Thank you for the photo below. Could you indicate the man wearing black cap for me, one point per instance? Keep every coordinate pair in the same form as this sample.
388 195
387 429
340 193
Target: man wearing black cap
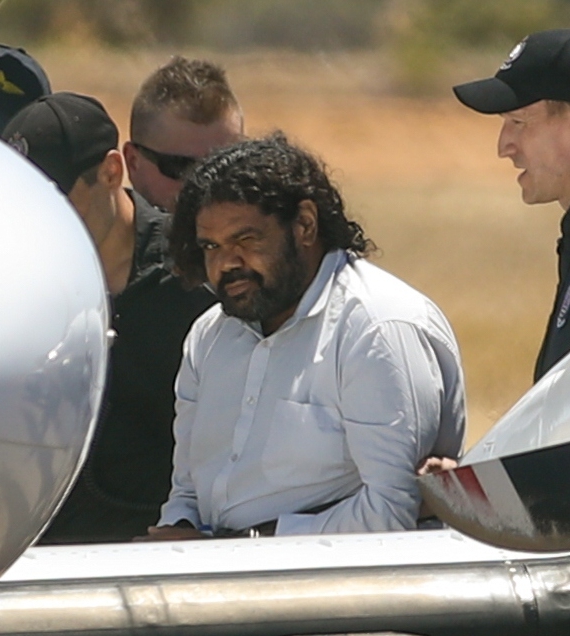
22 80
531 91
127 474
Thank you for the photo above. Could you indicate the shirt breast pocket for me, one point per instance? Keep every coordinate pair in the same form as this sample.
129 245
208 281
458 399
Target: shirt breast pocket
306 445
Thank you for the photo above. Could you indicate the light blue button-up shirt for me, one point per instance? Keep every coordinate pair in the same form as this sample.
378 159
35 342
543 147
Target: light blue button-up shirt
340 403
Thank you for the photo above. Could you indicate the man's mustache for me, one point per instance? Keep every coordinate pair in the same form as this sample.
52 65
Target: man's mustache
239 274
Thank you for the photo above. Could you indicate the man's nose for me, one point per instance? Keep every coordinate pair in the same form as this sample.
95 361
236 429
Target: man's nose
231 257
506 146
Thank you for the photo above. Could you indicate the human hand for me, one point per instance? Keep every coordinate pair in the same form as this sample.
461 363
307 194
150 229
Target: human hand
433 465
171 533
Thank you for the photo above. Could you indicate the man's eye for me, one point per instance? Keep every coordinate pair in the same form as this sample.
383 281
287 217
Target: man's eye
208 247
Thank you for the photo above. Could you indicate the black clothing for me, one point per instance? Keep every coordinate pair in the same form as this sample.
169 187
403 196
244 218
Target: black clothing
127 474
556 341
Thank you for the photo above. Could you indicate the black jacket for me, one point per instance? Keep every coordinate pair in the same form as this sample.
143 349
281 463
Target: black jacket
556 341
127 474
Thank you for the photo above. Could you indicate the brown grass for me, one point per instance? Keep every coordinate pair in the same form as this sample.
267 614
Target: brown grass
422 176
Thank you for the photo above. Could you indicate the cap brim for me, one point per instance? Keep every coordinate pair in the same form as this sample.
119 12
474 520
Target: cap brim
490 96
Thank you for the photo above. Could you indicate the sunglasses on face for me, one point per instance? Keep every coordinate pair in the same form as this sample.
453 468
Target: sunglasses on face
171 166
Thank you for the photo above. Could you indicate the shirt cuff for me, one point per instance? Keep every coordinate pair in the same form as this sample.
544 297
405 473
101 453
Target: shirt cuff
171 514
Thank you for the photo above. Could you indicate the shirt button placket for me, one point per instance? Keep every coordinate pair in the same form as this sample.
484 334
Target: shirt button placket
256 373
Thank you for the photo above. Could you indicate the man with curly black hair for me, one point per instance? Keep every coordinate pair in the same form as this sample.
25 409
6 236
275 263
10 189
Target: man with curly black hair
308 396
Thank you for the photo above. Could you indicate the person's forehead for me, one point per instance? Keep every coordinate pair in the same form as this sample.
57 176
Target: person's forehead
228 217
170 133
532 110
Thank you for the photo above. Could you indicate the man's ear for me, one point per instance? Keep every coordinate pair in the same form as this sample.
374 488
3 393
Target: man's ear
307 223
111 170
131 157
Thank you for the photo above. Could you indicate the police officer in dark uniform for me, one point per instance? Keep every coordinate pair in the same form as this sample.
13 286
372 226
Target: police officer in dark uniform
127 473
531 91
556 341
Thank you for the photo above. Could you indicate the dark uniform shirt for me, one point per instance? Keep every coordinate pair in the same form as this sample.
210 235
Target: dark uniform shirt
556 343
127 474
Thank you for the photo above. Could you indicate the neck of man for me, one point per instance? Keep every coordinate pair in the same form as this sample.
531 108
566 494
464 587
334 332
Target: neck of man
271 325
117 248
314 257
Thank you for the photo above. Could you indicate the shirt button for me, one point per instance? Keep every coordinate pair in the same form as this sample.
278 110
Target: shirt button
251 400
234 457
266 343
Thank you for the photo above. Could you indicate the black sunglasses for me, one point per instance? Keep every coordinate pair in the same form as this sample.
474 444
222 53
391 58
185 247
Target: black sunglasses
172 166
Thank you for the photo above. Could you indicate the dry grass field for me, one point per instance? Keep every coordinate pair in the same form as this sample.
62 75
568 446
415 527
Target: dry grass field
421 176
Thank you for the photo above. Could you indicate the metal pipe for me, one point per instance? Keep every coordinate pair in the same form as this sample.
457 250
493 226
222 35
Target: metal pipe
504 598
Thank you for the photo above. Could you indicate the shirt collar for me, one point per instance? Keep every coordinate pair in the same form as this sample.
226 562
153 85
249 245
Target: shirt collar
150 237
316 297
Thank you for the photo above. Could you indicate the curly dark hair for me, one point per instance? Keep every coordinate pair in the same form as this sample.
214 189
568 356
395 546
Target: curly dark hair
269 173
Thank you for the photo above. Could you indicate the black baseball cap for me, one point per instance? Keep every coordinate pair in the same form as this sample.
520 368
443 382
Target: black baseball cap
64 134
537 68
22 80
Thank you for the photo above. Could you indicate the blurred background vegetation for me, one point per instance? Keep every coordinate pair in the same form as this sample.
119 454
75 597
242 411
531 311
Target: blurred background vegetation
418 38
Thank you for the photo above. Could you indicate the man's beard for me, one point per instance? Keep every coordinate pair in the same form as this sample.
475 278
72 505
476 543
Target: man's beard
288 275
